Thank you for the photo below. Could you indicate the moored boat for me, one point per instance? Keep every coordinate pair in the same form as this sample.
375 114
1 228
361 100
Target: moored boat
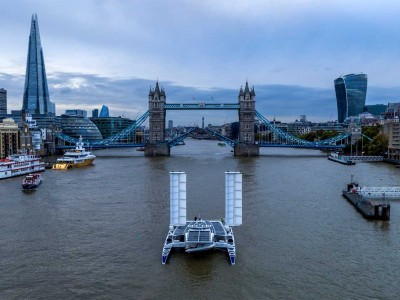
75 159
31 181
20 164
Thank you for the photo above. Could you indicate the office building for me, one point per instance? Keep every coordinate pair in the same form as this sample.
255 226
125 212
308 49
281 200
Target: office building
104 113
391 129
36 99
76 126
351 91
76 112
95 113
113 125
3 102
10 141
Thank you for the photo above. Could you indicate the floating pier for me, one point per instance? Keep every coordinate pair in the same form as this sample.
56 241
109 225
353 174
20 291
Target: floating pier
370 209
203 235
344 160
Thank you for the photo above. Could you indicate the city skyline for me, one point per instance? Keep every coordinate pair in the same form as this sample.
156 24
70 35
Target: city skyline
291 53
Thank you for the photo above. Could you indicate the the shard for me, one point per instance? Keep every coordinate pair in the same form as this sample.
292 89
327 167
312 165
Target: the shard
36 93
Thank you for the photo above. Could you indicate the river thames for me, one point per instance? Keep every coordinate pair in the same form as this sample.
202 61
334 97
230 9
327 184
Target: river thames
98 232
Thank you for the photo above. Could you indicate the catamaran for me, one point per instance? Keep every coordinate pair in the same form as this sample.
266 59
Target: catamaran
202 235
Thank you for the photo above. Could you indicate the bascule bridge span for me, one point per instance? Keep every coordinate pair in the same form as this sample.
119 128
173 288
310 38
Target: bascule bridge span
244 146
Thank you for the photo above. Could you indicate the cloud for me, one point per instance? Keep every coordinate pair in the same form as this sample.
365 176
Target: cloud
209 43
128 97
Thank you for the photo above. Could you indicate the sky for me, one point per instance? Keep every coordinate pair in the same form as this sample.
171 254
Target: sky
110 52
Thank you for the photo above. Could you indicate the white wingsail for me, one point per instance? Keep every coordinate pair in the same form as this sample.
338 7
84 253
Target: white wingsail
233 198
177 198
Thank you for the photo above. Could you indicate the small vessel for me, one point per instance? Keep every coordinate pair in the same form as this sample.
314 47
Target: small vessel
180 143
20 164
203 235
31 181
140 149
334 156
221 144
75 159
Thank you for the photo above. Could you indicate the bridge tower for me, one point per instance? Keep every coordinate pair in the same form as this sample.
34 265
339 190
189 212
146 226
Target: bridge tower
247 109
155 145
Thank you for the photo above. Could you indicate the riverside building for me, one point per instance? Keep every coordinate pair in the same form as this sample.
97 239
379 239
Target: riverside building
351 91
10 141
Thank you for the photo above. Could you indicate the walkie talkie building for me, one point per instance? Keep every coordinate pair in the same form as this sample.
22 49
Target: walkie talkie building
351 91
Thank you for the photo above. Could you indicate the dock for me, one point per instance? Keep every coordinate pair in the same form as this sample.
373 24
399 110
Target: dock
370 209
344 160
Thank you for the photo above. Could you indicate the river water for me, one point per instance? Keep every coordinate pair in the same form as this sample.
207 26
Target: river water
98 232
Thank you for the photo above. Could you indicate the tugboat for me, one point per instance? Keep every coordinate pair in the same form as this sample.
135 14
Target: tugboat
203 235
76 159
31 181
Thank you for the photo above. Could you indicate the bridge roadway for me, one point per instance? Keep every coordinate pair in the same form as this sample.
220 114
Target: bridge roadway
288 139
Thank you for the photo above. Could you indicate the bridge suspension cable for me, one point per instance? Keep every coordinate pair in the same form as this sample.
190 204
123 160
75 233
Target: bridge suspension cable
221 137
290 140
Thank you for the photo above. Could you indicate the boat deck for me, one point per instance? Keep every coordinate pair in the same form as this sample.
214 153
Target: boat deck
200 235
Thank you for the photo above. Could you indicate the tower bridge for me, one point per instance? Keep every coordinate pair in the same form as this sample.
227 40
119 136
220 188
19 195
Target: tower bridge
245 145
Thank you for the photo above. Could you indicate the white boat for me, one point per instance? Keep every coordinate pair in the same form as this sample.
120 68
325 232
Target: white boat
203 235
31 181
20 164
75 159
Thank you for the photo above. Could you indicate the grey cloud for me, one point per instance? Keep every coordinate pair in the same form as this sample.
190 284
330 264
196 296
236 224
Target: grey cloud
128 96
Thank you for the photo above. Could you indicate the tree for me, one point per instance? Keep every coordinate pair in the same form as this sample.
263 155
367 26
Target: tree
379 145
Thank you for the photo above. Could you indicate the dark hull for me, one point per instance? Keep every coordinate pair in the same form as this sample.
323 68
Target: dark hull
369 209
30 187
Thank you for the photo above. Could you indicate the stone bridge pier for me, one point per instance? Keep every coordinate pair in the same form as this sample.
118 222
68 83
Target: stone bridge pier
246 145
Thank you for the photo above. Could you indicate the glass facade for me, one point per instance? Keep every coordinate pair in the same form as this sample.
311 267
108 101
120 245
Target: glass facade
76 126
104 113
351 91
3 102
36 98
112 125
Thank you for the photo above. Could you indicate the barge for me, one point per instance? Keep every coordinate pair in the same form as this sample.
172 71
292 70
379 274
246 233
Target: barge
370 209
203 235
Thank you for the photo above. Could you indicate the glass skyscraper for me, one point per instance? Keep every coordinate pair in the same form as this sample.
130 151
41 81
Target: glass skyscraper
351 91
36 93
104 113
3 102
